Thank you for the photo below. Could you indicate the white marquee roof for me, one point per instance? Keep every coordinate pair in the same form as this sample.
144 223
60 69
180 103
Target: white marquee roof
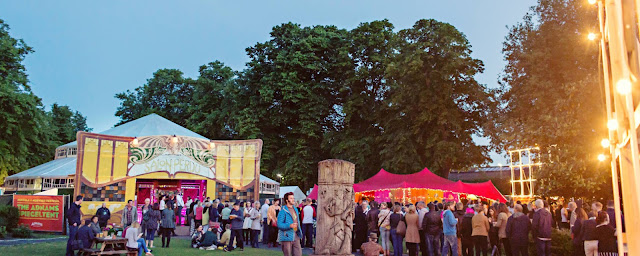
149 125
297 192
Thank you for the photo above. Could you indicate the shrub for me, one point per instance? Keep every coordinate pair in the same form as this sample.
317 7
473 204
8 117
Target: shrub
22 231
9 216
560 243
3 231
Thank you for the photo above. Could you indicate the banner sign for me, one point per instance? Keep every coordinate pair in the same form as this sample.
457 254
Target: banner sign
40 213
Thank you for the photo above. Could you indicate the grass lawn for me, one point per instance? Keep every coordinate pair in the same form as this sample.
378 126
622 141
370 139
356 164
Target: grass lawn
178 247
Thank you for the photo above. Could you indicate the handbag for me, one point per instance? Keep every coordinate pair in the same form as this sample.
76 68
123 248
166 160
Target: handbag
402 228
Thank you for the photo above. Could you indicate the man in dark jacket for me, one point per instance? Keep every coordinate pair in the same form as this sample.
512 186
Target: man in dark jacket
466 229
541 226
73 219
432 227
104 215
237 219
518 226
213 214
372 219
86 235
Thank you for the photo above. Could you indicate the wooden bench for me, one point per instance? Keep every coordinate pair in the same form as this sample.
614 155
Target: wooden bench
91 252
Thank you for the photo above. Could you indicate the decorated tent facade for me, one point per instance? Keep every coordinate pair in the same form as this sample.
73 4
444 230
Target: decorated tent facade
421 186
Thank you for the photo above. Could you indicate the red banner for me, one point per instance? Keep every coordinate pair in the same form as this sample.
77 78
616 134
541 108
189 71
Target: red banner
40 213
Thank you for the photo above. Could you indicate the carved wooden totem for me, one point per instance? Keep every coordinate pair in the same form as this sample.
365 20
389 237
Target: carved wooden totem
335 207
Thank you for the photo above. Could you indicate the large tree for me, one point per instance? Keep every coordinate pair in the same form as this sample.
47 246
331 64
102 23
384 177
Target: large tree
435 105
65 123
28 134
294 84
550 96
168 93
399 100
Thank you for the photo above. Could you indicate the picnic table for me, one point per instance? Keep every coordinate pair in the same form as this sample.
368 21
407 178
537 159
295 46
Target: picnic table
109 246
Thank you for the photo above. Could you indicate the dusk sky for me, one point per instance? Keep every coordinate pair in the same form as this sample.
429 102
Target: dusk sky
87 51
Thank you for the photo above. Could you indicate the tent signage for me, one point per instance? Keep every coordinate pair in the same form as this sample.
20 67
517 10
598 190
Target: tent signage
40 213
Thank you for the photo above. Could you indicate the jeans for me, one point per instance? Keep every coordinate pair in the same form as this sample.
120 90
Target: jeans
543 248
254 238
520 250
265 231
397 243
413 249
166 235
384 238
423 242
179 216
505 244
142 247
151 232
72 236
292 248
433 244
480 245
236 234
450 243
467 246
590 247
307 235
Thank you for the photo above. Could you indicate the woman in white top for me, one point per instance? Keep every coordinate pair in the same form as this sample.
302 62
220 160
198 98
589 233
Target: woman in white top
385 227
135 240
246 225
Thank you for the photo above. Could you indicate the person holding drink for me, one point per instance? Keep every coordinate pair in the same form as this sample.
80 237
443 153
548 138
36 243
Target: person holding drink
288 227
237 220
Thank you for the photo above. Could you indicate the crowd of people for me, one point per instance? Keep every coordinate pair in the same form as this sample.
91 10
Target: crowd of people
477 228
212 224
434 228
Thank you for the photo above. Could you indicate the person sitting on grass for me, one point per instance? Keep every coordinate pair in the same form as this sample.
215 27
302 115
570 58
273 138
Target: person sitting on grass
196 236
372 248
209 240
226 236
135 240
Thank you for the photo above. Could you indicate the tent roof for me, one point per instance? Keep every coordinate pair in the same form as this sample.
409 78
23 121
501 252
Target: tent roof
314 193
297 192
426 179
387 180
149 125
59 168
267 180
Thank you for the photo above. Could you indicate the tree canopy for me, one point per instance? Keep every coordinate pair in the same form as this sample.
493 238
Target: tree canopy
379 98
28 133
550 96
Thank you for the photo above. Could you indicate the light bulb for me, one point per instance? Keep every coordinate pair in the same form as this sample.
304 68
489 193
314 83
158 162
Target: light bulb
212 145
135 142
605 143
623 86
612 124
592 1
174 139
601 157
592 36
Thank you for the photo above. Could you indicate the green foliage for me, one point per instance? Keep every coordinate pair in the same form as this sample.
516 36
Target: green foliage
550 96
381 99
28 134
22 231
9 216
3 231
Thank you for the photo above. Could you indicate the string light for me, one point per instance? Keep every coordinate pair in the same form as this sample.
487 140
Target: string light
601 157
605 143
592 1
623 86
592 36
612 124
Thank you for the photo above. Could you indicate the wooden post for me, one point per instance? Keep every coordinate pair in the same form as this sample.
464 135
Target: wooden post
335 207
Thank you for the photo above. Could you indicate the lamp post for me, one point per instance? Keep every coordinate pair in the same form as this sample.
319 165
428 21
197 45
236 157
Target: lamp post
619 58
